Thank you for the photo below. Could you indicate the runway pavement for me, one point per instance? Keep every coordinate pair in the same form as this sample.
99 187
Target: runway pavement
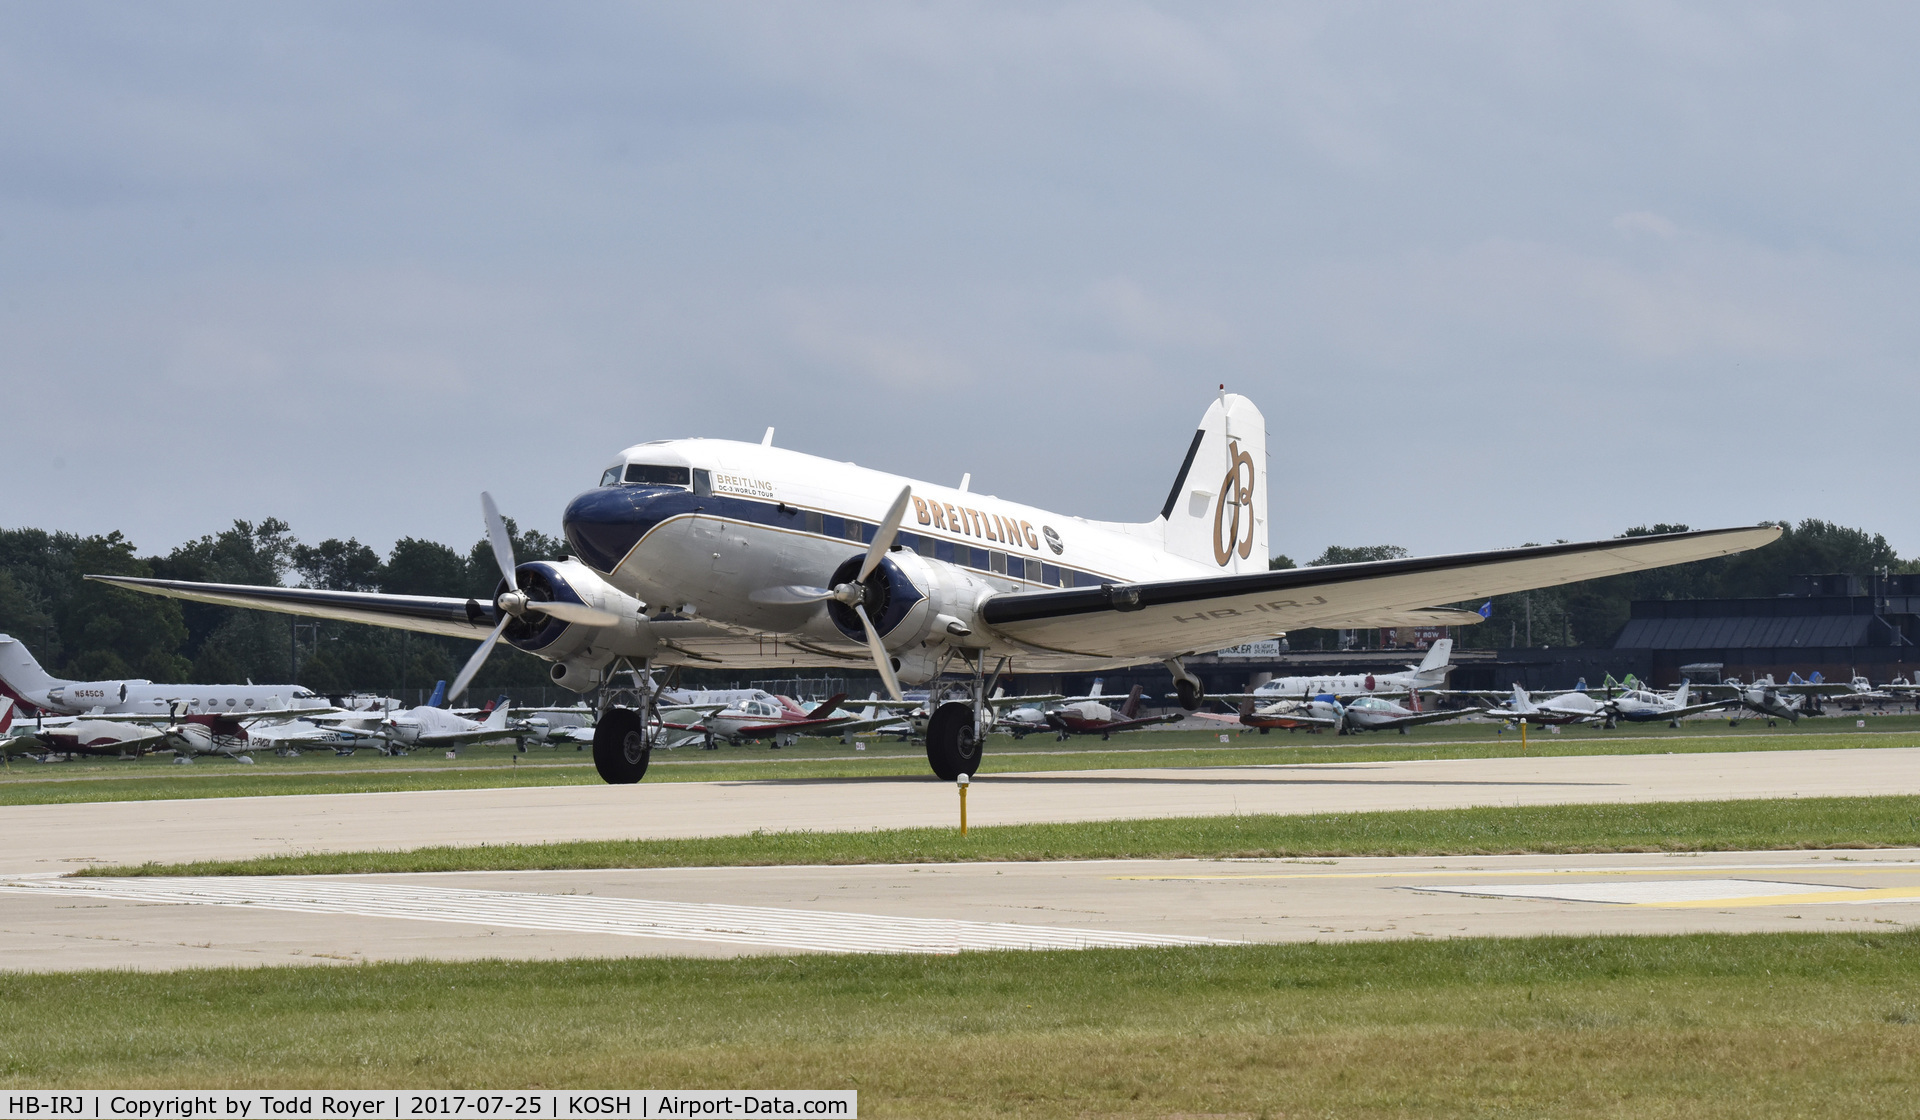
52 923
59 837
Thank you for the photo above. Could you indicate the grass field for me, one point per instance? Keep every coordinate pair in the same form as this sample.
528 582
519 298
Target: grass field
29 783
1836 822
1704 1026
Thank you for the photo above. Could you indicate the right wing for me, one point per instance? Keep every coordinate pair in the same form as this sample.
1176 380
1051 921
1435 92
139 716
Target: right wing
1180 617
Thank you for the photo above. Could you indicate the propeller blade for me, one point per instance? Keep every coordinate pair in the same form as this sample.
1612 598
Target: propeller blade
478 659
883 539
792 593
576 612
882 660
502 543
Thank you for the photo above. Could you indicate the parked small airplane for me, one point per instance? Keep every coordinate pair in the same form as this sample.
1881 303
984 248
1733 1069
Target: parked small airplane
1430 673
1363 713
1568 707
419 727
1091 717
1776 702
22 678
739 555
1643 705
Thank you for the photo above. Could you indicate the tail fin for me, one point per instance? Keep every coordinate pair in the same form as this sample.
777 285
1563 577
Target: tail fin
1680 697
439 697
1132 707
1094 692
1216 512
1521 702
19 672
1435 663
497 719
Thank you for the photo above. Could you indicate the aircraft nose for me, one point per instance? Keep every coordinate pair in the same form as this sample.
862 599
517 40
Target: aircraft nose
605 523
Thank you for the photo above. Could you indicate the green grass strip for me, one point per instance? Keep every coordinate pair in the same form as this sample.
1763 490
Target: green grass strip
92 780
1745 825
1748 1026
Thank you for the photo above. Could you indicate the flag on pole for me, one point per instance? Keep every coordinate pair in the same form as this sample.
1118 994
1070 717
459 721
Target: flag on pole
1486 609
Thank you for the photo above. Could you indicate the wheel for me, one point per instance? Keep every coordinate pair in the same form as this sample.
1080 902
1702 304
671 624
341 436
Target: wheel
1264 730
620 750
953 748
1189 694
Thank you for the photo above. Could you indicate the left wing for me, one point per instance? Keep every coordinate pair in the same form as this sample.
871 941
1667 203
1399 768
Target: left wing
1173 618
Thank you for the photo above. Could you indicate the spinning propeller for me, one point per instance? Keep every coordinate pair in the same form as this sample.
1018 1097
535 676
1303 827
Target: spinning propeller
513 603
853 593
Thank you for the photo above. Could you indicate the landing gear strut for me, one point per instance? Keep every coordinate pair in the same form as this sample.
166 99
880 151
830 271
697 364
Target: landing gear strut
1186 686
628 725
958 729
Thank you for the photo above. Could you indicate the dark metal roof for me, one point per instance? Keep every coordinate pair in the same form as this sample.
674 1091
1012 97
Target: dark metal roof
1745 632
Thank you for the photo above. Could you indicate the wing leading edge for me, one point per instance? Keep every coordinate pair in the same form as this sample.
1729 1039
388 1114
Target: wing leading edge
1179 617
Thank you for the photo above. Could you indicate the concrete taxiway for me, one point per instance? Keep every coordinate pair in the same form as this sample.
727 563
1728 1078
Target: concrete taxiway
60 837
54 923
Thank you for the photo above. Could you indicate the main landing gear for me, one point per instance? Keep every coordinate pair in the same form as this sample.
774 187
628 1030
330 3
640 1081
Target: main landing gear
628 725
957 730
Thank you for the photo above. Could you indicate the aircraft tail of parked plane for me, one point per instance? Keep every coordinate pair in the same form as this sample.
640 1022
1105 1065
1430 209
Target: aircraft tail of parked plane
20 673
439 697
1131 709
1216 512
1434 667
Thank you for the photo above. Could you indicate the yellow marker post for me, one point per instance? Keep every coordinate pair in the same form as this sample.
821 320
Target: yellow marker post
962 781
1523 736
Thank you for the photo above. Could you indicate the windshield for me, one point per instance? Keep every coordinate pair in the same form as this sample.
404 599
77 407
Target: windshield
648 474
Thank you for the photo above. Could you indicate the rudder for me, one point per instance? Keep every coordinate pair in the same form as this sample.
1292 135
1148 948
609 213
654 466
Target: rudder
1216 513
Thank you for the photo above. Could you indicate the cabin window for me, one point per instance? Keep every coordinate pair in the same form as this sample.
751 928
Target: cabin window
702 482
815 523
997 561
853 530
650 474
923 545
1050 574
1016 567
977 558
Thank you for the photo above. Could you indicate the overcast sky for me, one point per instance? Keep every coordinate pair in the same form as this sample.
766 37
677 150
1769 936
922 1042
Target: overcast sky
1495 272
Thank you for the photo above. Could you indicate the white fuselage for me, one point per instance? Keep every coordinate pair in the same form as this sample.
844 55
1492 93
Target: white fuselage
147 698
754 517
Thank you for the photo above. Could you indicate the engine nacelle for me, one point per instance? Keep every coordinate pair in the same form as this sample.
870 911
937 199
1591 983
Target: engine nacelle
578 652
915 603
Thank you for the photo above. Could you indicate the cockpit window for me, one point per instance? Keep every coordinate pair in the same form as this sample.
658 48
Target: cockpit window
611 478
648 474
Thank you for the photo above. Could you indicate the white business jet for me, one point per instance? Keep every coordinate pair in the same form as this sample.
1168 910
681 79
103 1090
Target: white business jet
719 554
1430 674
22 678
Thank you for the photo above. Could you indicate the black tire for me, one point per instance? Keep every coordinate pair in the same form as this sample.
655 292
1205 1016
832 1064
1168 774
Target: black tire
952 747
1189 693
620 749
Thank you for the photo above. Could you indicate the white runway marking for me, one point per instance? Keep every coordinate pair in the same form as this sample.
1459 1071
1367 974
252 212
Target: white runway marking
1647 892
820 930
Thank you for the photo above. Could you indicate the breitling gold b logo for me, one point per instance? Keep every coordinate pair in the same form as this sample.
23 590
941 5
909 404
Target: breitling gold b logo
1236 490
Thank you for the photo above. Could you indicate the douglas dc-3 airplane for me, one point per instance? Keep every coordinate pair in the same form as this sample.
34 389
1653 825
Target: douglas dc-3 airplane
720 554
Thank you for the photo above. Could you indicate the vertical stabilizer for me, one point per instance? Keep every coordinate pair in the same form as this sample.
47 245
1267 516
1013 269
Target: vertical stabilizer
20 673
1216 513
1435 666
1131 709
439 696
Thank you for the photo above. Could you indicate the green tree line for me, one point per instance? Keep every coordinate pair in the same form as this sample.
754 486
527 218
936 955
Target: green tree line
91 631
1592 613
88 630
